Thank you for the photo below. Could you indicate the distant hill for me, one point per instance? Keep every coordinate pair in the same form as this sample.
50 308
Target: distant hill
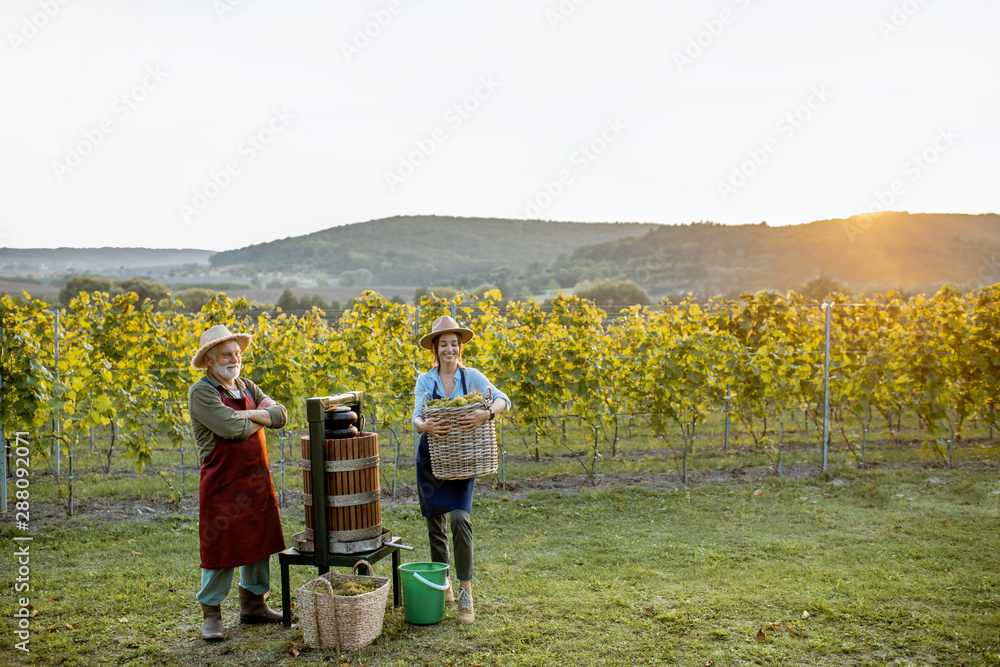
99 260
870 253
421 250
915 253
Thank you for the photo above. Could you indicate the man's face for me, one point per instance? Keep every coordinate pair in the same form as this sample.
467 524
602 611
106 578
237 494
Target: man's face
224 360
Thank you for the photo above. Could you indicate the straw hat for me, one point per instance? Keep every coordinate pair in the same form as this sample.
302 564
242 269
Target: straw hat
218 334
442 325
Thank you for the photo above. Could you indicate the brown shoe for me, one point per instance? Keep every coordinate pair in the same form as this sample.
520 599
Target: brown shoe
253 609
449 595
211 629
466 612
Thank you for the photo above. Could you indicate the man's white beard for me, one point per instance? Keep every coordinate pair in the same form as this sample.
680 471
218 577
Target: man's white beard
227 373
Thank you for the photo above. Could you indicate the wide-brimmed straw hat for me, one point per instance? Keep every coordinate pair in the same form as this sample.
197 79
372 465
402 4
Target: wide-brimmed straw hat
443 325
218 334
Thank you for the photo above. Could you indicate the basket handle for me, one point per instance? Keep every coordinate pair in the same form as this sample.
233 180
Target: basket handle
319 626
367 565
440 587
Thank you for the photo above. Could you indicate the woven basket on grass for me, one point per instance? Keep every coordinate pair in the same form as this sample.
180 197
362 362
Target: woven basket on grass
462 454
343 622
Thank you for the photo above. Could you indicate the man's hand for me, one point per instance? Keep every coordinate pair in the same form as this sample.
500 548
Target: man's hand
267 402
259 416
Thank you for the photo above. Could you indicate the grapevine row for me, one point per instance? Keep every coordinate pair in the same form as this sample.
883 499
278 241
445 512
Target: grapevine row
127 363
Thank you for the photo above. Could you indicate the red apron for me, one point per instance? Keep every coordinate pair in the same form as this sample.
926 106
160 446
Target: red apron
238 520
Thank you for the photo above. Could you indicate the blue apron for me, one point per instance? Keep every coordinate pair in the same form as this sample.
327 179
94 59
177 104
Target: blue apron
440 496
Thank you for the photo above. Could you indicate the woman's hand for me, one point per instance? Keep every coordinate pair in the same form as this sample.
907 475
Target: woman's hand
435 426
473 419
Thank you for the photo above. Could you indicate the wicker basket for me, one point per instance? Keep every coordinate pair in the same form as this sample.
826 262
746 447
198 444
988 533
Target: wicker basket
462 454
343 622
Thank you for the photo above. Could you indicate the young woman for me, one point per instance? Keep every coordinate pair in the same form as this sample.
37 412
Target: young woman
442 501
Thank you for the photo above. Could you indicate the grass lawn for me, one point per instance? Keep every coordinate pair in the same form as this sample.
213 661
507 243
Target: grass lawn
891 566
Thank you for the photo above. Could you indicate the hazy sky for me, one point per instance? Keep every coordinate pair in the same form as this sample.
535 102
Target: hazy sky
220 123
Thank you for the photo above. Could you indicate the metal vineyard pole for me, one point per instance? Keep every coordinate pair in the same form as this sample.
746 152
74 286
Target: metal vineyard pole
70 444
395 459
55 420
725 447
3 439
596 454
3 471
503 457
828 306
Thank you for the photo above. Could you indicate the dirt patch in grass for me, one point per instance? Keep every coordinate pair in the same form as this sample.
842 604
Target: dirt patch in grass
111 511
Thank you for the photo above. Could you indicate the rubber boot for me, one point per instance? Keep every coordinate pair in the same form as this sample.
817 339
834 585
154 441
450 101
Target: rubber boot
211 629
253 609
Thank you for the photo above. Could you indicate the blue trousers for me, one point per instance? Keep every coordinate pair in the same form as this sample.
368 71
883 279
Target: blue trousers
215 584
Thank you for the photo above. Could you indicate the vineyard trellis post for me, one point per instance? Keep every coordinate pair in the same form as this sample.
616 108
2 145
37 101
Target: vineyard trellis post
828 307
503 458
55 420
182 469
3 437
725 446
70 446
3 472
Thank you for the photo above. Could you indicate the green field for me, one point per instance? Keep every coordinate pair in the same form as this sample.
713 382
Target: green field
887 566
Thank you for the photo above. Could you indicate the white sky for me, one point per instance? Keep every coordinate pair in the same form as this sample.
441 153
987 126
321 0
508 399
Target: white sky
887 81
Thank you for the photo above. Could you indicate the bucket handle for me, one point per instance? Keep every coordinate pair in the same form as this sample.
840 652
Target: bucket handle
440 587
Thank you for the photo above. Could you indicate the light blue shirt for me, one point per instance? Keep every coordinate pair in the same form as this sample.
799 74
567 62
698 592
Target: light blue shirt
474 381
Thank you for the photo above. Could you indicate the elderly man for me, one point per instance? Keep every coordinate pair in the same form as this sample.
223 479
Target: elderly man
238 521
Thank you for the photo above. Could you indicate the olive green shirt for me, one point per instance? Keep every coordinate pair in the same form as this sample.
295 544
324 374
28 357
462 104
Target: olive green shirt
211 418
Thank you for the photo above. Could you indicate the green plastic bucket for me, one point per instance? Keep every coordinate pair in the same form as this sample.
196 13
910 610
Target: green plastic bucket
424 585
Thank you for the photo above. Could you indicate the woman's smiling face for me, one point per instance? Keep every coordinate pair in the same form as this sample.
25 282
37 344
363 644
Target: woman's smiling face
449 350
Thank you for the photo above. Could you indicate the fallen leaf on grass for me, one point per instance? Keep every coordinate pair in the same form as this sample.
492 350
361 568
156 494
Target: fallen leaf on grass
294 651
759 492
123 620
71 627
649 610
52 628
761 637
225 651
133 645
191 639
805 615
776 625
136 553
